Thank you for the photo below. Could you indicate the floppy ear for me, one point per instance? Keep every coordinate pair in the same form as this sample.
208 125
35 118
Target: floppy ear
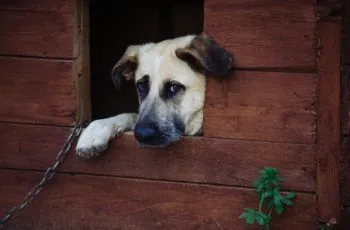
126 66
205 55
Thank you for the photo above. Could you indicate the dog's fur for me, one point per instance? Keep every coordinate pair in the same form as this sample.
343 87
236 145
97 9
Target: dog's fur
170 81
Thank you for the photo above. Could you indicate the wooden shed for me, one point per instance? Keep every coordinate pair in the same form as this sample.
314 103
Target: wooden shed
279 109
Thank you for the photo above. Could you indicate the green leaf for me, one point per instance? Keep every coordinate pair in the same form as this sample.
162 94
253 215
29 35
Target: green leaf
248 215
276 190
251 215
290 195
250 219
278 202
244 215
268 191
270 204
279 209
268 194
288 203
260 219
270 174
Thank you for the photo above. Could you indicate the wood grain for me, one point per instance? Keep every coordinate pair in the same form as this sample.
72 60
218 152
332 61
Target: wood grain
81 68
36 28
36 5
328 132
97 202
264 33
261 106
201 160
36 91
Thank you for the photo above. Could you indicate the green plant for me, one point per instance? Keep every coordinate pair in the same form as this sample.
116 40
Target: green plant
270 199
324 227
327 226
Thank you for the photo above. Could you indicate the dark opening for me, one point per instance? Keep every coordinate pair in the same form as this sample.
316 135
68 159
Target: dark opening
114 26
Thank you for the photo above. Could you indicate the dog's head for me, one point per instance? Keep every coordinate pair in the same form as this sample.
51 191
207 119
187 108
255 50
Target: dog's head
170 83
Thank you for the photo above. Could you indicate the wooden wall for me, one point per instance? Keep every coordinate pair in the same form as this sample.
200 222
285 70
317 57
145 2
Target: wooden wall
274 111
36 62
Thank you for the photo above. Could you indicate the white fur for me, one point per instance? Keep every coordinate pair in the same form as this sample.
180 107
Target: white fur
96 136
160 63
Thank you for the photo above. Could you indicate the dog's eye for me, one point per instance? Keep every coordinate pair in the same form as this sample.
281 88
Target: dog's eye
172 88
142 87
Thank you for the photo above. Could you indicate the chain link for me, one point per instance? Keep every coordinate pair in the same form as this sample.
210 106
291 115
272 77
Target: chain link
49 173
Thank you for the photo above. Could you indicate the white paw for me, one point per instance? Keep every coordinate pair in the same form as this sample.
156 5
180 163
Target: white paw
94 139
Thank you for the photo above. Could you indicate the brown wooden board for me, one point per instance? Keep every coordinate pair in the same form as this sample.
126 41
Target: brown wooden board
264 33
36 91
200 160
82 71
36 28
98 202
328 131
267 106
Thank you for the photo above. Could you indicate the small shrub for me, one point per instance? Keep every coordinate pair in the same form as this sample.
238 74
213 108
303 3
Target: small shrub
271 200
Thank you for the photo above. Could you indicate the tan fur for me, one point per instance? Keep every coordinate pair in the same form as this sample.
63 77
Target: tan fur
184 60
172 68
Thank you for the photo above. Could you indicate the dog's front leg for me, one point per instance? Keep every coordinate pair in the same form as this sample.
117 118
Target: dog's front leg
94 139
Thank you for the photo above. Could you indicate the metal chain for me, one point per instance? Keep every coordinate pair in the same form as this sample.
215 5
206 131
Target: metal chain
49 173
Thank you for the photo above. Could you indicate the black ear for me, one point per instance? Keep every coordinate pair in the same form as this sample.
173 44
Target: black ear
205 55
125 68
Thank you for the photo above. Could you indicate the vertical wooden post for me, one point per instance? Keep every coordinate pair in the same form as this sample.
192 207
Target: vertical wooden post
81 55
328 126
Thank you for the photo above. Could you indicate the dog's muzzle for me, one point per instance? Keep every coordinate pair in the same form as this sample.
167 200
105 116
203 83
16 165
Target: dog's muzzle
146 133
153 135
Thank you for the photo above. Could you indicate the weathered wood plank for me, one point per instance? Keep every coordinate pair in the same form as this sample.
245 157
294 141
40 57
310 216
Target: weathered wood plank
264 33
328 131
37 28
202 160
36 91
81 68
261 106
97 202
37 5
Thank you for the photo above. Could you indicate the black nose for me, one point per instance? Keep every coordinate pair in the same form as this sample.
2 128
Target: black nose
145 133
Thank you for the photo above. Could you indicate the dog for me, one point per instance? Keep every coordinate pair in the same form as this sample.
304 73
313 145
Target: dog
170 79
